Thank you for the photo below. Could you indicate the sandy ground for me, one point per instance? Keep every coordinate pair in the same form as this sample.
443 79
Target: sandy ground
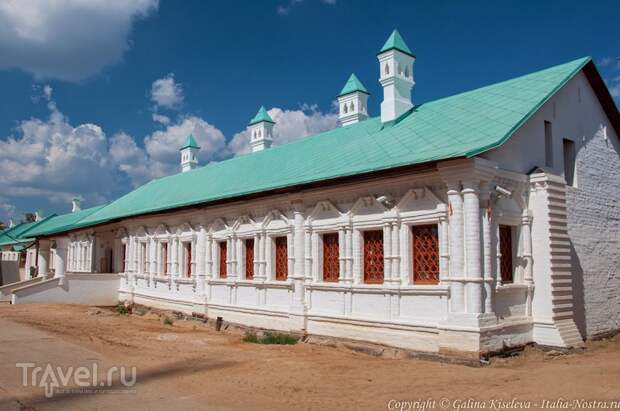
187 365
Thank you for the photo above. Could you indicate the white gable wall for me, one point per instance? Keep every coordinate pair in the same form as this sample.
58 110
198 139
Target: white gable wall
593 203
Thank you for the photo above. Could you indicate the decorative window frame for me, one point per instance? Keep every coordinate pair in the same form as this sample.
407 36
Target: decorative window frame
276 224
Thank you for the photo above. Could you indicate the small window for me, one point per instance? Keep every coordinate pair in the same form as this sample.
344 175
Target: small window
281 259
568 147
505 249
425 243
331 255
164 258
249 259
548 144
223 258
373 257
187 256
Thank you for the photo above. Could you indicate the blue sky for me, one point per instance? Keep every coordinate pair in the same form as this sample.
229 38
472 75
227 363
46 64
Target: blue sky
98 97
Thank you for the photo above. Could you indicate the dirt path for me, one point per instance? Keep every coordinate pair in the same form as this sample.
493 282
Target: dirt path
187 366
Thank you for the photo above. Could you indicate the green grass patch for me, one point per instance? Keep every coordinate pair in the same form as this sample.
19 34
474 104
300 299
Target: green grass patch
122 309
270 338
168 320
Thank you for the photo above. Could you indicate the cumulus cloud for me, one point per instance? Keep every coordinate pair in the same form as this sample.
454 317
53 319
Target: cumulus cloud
67 39
290 125
52 160
49 161
167 93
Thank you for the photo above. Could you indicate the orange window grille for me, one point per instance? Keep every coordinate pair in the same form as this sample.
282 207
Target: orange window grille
249 259
331 254
281 259
373 257
425 254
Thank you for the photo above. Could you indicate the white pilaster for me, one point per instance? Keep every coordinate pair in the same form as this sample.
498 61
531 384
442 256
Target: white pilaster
471 208
457 260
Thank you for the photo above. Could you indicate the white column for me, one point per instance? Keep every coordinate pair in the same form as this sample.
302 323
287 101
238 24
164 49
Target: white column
256 267
395 277
456 248
342 259
357 257
387 253
174 243
498 254
444 256
209 257
43 259
487 255
298 304
316 264
526 227
239 258
308 254
60 259
349 270
154 257
471 206
259 257
200 254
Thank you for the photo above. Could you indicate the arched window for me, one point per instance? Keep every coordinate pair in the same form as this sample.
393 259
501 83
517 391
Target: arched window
352 107
344 108
407 71
387 69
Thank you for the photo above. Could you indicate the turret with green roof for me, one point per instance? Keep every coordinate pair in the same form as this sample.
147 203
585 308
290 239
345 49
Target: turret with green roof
189 151
396 42
396 77
262 115
190 142
352 85
352 102
261 130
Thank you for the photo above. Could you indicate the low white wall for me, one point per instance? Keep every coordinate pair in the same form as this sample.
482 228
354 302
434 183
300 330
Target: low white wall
6 291
91 289
9 267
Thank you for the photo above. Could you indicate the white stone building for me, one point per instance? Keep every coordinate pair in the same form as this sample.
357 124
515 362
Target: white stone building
467 224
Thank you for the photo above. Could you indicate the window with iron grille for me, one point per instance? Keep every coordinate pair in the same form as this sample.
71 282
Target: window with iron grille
223 258
425 254
331 254
505 248
249 259
281 259
373 257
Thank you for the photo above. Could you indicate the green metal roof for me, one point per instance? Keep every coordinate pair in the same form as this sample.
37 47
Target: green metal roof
21 232
62 222
262 115
463 125
395 41
190 142
352 85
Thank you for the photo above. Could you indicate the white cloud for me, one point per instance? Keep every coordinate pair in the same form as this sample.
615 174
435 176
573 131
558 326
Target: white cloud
52 161
166 92
290 125
47 162
67 39
161 119
615 90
